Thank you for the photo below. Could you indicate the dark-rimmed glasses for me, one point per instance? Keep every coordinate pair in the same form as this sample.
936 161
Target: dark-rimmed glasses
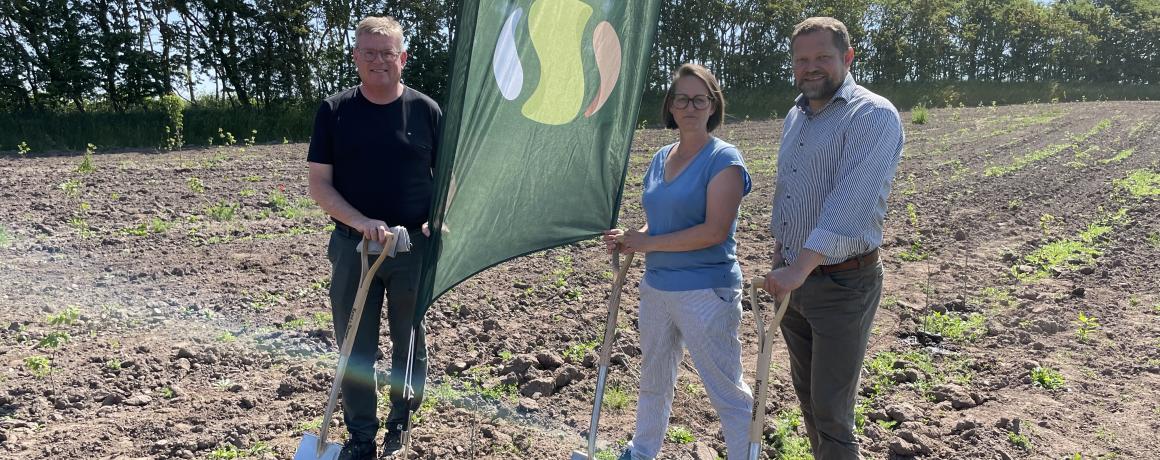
700 101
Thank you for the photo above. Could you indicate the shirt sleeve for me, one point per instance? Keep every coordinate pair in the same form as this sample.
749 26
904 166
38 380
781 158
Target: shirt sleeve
854 210
321 144
726 157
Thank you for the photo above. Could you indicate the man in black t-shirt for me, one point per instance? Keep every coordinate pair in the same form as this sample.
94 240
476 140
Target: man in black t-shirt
371 158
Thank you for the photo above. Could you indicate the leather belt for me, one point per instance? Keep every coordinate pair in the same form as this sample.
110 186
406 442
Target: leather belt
346 229
853 263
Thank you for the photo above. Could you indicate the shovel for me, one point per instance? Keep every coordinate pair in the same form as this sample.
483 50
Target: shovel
761 387
605 353
315 447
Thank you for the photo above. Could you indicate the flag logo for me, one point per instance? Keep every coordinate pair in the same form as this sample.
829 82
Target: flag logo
556 30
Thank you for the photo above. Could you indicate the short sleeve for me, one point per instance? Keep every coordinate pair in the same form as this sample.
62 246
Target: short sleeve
321 140
726 157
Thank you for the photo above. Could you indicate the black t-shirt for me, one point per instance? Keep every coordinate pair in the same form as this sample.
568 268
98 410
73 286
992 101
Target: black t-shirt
382 155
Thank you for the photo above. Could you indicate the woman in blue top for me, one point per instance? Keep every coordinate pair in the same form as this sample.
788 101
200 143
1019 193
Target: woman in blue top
691 291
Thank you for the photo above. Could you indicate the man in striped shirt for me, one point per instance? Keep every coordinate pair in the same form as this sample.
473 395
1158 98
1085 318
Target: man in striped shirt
840 147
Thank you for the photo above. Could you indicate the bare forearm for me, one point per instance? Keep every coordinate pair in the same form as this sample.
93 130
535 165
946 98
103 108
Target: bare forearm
334 204
690 239
807 261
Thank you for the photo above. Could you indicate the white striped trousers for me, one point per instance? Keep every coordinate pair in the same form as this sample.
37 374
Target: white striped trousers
706 320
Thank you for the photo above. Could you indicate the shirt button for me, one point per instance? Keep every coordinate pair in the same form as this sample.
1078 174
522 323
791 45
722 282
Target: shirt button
801 144
784 223
795 170
787 197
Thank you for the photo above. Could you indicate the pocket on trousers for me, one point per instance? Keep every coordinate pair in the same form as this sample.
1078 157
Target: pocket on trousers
727 294
860 280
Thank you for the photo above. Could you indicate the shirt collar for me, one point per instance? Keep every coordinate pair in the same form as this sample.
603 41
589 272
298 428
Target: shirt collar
845 92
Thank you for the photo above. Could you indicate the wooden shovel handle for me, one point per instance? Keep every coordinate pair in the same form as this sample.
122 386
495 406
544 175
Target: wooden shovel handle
360 298
765 347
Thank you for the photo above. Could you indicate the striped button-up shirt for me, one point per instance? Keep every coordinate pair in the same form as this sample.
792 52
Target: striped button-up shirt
834 172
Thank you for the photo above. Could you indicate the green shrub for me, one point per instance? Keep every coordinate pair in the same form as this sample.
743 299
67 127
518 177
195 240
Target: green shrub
919 115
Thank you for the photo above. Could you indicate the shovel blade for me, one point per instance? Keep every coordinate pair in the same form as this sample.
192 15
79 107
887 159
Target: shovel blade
580 455
308 449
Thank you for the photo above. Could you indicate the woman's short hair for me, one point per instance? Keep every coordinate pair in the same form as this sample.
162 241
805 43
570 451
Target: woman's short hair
717 99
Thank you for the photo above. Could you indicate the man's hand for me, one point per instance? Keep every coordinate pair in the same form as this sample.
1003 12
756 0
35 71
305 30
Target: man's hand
782 281
372 229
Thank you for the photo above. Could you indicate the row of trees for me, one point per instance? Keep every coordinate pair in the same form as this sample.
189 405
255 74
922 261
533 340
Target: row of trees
897 41
119 55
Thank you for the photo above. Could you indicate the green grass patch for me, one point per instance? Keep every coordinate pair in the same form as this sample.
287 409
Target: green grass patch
881 369
1123 155
67 317
1140 183
955 327
231 452
679 435
1019 440
785 439
1065 253
616 398
992 297
1023 161
222 211
5 238
1047 152
38 366
71 187
1047 378
1054 255
1010 124
914 253
195 185
575 352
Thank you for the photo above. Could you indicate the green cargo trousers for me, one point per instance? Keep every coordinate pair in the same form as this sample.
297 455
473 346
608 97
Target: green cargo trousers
398 279
826 330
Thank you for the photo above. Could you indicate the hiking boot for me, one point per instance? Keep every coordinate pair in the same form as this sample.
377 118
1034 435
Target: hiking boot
392 442
357 450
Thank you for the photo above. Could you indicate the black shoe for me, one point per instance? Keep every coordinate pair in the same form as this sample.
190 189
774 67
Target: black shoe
392 442
357 450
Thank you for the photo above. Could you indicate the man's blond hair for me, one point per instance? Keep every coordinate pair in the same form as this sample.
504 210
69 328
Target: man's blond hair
380 25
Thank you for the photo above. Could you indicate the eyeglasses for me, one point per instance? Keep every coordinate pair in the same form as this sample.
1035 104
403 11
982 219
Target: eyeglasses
370 55
700 101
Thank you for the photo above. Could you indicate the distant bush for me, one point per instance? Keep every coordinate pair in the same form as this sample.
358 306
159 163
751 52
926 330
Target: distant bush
918 115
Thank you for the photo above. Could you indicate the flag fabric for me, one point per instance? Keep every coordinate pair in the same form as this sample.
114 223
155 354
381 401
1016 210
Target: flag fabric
542 105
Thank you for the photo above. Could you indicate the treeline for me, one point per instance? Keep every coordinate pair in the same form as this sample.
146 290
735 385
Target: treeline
122 56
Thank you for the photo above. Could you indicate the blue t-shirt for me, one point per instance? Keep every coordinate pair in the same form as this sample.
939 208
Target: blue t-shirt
680 204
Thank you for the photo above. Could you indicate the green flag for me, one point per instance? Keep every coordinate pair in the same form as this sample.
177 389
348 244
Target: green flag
542 104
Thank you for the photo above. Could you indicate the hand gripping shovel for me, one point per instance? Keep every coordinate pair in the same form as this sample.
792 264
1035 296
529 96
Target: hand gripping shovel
761 388
315 447
605 353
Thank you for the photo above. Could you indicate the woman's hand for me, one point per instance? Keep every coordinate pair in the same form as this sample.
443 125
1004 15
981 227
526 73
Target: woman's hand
612 239
634 241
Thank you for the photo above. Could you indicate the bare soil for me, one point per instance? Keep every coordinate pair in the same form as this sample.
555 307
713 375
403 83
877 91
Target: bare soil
202 335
